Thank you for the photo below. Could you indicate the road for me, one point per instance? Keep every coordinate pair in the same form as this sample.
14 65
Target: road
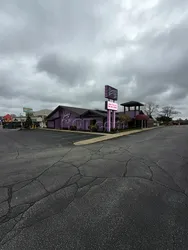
126 193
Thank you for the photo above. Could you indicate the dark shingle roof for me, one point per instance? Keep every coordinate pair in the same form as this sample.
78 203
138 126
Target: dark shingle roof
76 110
81 111
131 104
102 113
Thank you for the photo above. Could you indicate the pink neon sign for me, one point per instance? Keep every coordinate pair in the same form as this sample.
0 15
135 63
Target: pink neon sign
111 106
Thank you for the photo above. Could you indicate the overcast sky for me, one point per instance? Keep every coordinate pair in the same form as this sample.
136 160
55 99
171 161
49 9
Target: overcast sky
65 51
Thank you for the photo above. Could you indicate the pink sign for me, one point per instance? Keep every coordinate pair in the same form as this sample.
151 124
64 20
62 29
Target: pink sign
112 106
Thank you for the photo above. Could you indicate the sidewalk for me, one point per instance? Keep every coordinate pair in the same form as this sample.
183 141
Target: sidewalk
111 136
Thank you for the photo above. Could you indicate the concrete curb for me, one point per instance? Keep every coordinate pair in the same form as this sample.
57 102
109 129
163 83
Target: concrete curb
111 136
72 131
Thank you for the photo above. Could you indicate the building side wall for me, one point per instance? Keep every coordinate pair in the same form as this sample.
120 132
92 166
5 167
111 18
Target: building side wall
50 124
57 123
131 113
69 119
150 123
55 115
64 119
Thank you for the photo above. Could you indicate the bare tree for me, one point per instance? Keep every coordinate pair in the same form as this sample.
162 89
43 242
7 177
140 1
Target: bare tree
169 111
151 108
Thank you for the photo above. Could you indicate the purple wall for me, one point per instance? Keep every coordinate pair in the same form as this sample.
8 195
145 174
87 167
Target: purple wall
55 115
54 121
57 124
72 119
68 118
131 113
50 124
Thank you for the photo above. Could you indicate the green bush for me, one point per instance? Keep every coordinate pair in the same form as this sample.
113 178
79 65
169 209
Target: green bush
28 122
114 130
94 128
73 128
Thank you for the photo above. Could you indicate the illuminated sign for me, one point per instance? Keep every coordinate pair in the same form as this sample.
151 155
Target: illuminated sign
111 105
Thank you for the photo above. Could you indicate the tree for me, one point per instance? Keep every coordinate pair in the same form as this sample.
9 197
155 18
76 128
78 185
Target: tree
164 119
169 111
151 108
28 122
124 119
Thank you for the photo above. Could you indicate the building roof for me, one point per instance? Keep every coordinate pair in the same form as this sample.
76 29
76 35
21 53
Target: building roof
76 110
42 112
132 104
82 112
100 113
142 117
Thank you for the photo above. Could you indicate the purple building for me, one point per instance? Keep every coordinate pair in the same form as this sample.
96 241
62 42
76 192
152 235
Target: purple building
64 117
139 119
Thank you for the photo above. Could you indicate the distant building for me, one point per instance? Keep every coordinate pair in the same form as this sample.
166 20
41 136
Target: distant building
38 118
43 113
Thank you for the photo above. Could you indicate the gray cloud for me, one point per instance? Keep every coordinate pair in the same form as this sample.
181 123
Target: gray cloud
64 52
67 70
159 64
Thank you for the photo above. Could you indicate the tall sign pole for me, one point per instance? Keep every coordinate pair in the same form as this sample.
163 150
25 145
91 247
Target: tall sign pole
108 120
113 118
111 106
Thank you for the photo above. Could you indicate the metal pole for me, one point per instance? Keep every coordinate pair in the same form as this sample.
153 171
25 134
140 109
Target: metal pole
108 120
113 119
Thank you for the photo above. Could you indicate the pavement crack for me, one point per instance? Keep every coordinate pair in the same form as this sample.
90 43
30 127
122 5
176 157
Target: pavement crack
172 189
43 186
9 196
77 167
182 157
39 221
36 178
164 171
143 161
18 153
10 231
30 181
9 203
138 177
126 165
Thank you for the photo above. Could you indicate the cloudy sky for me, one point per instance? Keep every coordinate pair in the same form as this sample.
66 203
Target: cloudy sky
65 51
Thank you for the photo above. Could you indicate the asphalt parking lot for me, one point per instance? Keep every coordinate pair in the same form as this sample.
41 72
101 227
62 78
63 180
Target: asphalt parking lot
127 193
36 139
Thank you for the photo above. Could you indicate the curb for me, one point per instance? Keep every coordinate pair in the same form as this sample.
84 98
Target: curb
72 131
111 136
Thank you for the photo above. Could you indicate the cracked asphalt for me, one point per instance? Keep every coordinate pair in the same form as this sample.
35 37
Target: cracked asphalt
126 193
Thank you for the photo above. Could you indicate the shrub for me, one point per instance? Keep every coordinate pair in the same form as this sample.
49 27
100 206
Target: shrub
73 128
28 122
114 130
94 128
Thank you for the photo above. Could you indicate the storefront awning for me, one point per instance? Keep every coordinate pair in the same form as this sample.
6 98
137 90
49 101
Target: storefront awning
142 117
